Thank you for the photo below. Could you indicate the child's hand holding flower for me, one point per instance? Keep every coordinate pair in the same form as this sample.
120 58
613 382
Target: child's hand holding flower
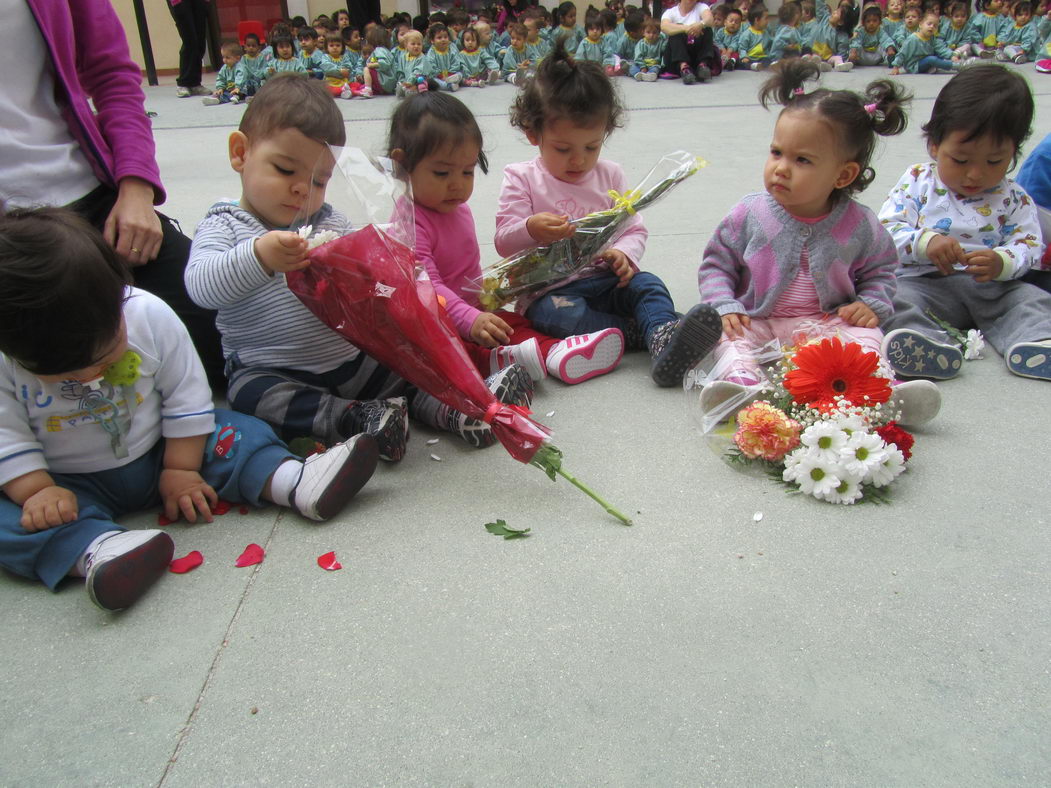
984 265
945 252
546 228
489 330
858 314
280 251
734 325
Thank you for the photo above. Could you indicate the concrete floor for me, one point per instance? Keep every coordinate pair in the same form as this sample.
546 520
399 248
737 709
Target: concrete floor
898 645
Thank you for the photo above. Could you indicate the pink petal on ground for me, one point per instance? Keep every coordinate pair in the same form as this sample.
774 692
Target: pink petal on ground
243 510
222 507
328 562
191 560
163 520
252 555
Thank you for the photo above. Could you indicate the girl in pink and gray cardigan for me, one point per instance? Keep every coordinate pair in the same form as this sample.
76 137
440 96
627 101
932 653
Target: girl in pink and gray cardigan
803 258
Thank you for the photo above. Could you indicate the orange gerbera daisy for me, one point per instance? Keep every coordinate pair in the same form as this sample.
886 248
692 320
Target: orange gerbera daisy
831 369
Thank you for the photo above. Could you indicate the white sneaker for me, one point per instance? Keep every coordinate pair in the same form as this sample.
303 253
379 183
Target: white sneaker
844 66
124 566
918 400
824 66
649 76
640 76
454 78
585 356
210 101
182 92
453 86
330 480
527 354
494 76
235 99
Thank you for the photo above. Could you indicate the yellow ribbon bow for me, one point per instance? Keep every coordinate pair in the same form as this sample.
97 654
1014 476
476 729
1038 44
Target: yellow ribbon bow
626 200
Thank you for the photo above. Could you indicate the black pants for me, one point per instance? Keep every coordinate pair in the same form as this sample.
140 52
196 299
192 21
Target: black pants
700 52
191 20
164 278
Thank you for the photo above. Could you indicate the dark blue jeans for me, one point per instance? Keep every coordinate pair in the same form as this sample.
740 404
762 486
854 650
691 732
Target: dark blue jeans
595 303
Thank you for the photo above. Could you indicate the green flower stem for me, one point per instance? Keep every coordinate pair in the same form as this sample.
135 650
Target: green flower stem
549 459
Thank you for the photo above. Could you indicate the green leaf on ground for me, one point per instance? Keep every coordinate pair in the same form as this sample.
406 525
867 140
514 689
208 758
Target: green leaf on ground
500 528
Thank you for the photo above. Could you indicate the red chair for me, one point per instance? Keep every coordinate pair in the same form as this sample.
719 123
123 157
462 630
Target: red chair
250 26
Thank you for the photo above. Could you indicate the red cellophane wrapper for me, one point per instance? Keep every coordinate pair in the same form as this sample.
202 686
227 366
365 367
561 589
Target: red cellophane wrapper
368 287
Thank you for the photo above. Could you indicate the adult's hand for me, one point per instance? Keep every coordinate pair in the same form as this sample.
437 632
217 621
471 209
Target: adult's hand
133 227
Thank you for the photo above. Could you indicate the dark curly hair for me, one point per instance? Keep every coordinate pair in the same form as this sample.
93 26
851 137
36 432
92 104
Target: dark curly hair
847 112
567 88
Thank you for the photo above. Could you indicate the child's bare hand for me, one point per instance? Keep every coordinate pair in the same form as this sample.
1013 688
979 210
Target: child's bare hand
734 325
620 265
187 493
945 252
49 507
489 330
281 251
984 265
549 227
858 314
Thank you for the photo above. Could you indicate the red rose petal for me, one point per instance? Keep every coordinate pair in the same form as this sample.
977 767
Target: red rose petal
243 510
222 507
163 520
328 562
252 555
191 560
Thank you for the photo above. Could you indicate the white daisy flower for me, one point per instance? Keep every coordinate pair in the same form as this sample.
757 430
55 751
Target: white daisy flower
816 475
973 344
826 438
792 460
848 491
851 423
863 453
889 470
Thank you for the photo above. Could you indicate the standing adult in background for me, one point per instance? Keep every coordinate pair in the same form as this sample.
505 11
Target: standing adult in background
362 12
191 20
54 150
691 51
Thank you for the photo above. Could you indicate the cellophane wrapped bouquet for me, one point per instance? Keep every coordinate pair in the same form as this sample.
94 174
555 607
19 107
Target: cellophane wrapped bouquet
820 421
540 267
367 285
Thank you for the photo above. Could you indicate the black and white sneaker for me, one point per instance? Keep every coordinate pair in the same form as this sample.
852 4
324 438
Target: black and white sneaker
386 420
678 345
512 386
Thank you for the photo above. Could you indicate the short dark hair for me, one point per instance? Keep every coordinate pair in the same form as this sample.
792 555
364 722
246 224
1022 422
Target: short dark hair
254 36
870 10
64 290
232 48
517 29
435 29
982 99
377 36
566 88
756 11
633 22
426 122
1020 6
306 32
789 11
294 101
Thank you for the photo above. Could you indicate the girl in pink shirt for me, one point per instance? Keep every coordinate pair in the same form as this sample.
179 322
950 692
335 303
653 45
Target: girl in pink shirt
567 111
437 142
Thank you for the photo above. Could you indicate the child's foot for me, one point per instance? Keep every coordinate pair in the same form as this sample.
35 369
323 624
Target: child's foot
721 399
494 76
649 76
527 354
1030 359
328 481
824 66
511 386
688 77
585 356
678 345
364 93
918 400
386 420
703 73
915 355
122 567
1043 66
210 101
844 66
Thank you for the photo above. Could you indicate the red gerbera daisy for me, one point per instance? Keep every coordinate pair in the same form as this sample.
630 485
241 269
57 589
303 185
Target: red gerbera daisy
831 369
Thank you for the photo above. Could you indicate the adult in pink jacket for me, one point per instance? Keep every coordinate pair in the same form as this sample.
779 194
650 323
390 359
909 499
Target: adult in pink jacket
55 149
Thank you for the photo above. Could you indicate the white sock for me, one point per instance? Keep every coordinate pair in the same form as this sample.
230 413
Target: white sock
284 481
80 568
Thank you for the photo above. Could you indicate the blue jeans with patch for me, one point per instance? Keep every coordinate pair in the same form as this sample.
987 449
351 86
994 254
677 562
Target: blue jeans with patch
239 458
596 303
934 63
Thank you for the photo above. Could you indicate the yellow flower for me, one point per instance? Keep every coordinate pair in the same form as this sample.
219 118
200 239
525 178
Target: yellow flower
765 433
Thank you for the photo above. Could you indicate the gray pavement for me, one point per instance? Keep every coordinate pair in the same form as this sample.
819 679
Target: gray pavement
899 645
